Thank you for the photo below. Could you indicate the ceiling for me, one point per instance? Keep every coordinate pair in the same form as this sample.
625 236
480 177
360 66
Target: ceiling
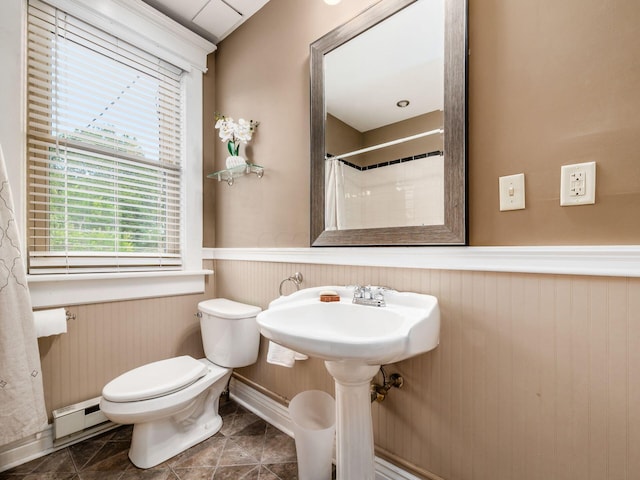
211 19
400 58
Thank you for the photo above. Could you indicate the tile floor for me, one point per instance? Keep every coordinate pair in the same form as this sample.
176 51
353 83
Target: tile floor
246 448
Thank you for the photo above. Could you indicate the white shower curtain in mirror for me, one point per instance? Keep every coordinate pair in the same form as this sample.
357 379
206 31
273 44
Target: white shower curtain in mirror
22 409
333 194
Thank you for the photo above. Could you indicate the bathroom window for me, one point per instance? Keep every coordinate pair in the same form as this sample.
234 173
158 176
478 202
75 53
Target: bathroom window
105 149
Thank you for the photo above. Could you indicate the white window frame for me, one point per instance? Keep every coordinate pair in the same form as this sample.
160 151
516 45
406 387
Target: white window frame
157 34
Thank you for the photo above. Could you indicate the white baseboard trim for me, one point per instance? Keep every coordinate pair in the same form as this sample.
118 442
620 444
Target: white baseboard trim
26 450
43 443
278 415
269 410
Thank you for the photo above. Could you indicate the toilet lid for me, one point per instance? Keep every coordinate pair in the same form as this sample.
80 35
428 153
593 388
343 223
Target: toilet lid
154 379
223 308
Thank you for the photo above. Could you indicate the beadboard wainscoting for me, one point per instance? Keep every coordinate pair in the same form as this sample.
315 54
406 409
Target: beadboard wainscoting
534 377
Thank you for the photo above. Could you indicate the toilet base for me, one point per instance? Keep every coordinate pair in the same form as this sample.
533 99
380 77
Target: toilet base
155 442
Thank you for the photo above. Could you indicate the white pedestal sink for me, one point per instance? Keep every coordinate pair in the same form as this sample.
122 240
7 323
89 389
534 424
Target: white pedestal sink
354 340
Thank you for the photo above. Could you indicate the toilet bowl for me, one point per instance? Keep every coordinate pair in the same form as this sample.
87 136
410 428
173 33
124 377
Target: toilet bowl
173 403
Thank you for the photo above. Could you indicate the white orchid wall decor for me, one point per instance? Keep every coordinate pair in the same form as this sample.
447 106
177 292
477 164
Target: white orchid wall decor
234 133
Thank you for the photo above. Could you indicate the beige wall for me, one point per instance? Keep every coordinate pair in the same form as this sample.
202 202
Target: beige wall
554 83
550 83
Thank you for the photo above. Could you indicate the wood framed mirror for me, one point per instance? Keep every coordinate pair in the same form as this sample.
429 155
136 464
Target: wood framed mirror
389 127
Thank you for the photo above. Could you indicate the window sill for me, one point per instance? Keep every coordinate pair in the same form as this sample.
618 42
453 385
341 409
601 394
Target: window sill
64 290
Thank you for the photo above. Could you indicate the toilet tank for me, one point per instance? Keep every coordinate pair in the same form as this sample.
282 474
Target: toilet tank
230 334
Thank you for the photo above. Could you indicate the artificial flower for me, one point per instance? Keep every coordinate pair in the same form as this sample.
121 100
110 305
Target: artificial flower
235 133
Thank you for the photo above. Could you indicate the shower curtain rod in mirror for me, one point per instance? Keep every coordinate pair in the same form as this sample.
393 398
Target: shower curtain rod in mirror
388 144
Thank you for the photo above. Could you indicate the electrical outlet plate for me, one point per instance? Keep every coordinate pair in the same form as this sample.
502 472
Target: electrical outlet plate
512 192
578 184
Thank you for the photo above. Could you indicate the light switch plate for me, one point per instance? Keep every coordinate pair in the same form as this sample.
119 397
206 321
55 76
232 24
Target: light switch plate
578 184
512 192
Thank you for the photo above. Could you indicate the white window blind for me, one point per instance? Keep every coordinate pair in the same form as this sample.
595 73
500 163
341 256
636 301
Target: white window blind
104 150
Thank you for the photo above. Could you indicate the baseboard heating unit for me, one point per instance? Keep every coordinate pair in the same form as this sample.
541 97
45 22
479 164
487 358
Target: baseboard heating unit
79 421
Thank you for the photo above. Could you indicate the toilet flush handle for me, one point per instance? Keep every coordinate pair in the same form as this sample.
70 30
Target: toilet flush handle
198 315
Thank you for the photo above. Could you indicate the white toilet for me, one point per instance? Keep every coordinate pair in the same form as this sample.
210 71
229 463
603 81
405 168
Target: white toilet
173 403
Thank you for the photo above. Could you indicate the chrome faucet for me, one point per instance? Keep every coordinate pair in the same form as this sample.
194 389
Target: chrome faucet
369 295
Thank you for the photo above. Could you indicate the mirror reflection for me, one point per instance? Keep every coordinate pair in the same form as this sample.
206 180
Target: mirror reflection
384 100
389 125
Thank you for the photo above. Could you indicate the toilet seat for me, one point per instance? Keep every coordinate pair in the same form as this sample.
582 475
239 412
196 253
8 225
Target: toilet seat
147 410
167 425
155 379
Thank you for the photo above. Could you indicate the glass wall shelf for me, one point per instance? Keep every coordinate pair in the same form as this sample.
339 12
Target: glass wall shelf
230 174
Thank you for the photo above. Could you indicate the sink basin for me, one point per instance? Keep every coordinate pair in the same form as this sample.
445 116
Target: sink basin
354 340
408 325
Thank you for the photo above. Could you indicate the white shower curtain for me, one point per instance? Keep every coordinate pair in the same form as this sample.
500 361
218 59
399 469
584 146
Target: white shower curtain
333 194
22 409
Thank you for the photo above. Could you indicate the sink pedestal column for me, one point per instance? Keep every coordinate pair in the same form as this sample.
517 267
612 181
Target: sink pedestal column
354 426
